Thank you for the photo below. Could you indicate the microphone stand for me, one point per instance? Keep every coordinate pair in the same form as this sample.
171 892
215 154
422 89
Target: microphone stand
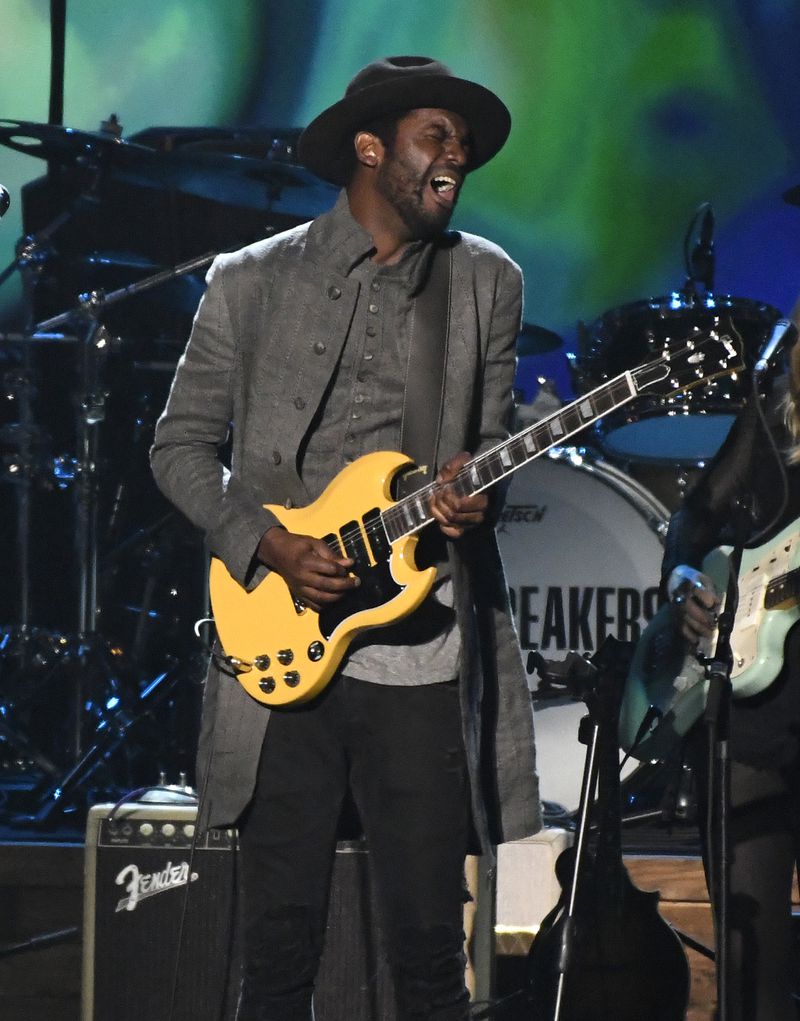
717 722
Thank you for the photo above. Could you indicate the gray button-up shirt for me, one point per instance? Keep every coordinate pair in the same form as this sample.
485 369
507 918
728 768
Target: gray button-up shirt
361 413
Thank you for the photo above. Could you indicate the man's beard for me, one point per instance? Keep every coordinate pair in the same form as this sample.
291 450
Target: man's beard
402 188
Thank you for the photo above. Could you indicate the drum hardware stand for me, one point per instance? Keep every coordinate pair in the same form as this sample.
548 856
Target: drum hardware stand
91 403
109 736
32 254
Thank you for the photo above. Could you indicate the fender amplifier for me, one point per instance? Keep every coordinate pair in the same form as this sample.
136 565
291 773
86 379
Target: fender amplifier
159 924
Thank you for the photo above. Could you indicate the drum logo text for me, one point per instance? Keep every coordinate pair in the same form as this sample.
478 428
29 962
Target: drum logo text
579 617
516 513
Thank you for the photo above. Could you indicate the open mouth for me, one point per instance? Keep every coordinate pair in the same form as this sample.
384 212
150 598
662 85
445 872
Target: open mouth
445 186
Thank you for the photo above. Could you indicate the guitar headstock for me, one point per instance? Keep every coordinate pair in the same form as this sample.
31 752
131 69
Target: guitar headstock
698 358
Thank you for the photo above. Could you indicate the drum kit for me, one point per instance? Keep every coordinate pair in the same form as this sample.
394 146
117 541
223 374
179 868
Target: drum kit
99 667
108 579
583 528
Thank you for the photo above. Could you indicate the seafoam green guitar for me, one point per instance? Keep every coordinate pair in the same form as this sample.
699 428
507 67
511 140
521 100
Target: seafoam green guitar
669 683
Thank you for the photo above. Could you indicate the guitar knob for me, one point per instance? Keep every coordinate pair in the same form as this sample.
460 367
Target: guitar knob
316 651
285 657
261 662
291 678
267 685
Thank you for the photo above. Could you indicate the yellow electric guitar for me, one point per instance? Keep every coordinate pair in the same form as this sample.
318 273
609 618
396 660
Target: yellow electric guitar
283 652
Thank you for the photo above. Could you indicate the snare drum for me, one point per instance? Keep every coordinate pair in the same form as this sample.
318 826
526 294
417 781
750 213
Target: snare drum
582 545
690 428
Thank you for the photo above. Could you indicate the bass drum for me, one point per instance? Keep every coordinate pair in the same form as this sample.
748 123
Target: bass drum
686 429
582 544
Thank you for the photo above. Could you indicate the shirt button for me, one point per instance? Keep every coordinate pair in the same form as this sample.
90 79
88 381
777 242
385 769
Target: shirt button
356 415
276 457
334 292
375 286
362 377
368 356
319 348
373 308
299 403
371 331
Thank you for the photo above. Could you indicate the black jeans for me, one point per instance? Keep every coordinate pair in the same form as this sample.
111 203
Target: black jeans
764 836
400 752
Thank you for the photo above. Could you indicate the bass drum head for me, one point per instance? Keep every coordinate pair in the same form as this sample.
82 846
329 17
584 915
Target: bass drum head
688 428
582 544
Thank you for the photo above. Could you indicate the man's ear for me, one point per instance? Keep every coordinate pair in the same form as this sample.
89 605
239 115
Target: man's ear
369 149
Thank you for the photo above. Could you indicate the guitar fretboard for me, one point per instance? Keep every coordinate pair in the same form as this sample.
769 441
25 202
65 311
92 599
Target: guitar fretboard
782 589
413 513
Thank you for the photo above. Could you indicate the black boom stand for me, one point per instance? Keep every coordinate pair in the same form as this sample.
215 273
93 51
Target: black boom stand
717 723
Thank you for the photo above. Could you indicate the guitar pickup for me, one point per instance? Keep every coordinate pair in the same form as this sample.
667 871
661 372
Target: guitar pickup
355 547
376 536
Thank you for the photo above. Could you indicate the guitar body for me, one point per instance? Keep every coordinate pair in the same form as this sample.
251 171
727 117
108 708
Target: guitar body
604 953
627 963
288 652
668 677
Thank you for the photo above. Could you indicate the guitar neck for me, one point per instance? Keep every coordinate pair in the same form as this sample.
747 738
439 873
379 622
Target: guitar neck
782 589
413 512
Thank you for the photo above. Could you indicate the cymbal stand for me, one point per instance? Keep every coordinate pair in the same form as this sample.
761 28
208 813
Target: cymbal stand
91 402
32 253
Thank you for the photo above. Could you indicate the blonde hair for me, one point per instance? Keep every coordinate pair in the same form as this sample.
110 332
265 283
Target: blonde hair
791 402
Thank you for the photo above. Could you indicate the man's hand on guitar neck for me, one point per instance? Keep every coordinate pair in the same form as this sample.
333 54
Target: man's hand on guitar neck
310 568
696 601
456 514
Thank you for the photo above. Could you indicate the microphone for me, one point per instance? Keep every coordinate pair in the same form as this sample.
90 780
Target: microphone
5 200
782 330
702 261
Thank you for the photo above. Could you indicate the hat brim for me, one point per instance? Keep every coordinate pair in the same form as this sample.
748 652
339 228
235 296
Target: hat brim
326 145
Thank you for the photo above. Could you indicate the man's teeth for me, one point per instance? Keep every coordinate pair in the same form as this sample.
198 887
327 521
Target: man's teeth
443 183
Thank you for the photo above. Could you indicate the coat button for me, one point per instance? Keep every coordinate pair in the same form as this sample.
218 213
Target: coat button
319 348
334 292
299 403
276 457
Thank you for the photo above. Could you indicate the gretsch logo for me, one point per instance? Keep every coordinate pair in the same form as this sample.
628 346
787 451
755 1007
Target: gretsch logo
140 885
517 513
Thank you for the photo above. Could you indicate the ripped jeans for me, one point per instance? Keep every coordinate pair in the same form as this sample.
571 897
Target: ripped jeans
400 752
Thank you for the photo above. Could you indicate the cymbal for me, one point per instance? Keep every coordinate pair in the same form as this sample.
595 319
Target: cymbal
536 340
58 144
224 177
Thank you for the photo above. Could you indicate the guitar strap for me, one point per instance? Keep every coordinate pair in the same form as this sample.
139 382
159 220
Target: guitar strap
423 398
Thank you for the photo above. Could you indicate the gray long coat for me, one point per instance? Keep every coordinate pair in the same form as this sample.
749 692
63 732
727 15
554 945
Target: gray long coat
265 341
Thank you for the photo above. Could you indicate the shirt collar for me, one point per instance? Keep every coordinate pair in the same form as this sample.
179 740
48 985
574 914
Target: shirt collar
342 243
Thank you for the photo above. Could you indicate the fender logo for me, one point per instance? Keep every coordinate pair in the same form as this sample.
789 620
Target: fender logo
141 885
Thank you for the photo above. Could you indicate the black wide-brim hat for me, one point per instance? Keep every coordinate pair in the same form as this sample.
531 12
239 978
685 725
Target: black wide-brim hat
395 85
